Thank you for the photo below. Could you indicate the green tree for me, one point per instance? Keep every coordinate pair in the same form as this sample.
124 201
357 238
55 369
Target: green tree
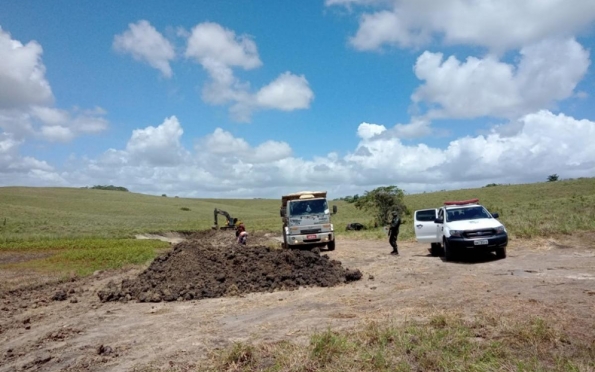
552 178
381 202
109 187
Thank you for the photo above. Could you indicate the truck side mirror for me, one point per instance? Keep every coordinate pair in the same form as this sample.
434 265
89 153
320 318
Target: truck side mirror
438 220
334 209
282 212
495 215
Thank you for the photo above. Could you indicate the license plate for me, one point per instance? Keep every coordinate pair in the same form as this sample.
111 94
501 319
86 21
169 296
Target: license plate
314 237
481 242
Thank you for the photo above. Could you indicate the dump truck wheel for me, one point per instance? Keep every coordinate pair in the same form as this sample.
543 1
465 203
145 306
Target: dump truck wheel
331 246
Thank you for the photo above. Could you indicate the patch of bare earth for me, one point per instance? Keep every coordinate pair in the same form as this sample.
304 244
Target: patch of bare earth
65 326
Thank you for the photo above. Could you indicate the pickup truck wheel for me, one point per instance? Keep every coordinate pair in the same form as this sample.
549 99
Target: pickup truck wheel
435 250
331 246
501 253
448 253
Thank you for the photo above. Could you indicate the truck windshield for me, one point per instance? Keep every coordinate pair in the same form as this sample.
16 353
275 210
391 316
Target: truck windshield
462 214
307 207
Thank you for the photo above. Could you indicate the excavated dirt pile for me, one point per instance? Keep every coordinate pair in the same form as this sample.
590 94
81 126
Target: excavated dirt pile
199 269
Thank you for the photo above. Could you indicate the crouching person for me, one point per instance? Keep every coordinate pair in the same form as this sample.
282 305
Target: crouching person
241 234
242 238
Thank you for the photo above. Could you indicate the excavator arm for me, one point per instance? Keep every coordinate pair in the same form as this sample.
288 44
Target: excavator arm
230 221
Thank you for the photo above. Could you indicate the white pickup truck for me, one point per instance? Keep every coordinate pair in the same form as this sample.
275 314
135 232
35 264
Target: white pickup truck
460 226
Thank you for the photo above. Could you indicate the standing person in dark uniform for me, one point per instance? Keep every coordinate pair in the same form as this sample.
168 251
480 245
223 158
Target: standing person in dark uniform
394 232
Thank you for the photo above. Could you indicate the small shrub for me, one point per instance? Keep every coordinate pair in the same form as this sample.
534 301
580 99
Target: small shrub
185 208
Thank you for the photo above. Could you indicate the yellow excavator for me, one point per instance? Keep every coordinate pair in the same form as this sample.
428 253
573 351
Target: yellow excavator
230 223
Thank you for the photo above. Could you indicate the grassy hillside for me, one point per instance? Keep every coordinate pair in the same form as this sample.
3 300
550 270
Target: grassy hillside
528 210
82 230
42 213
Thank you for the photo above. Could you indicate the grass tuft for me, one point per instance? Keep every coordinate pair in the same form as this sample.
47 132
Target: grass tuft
240 355
327 345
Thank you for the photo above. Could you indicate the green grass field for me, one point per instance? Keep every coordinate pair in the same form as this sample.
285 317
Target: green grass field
48 213
87 222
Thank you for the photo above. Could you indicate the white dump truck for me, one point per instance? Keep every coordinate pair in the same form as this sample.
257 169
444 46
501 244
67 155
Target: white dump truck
307 220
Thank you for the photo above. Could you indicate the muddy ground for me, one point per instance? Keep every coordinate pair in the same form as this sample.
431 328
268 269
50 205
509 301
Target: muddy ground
65 326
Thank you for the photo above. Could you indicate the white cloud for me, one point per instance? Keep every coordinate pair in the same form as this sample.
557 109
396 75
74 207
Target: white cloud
223 142
223 145
366 131
146 44
22 74
498 25
16 169
57 133
548 71
60 125
210 43
270 151
17 123
545 144
25 96
158 146
221 164
288 92
383 27
416 129
218 50
51 124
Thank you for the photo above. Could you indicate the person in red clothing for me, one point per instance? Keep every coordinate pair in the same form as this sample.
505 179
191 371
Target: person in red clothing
241 234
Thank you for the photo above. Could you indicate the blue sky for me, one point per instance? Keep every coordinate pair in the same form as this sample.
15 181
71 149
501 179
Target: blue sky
258 98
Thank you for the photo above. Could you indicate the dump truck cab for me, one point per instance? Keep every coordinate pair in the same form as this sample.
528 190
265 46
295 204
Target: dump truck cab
307 220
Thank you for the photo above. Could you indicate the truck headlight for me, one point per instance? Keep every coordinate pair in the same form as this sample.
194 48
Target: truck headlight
500 230
456 233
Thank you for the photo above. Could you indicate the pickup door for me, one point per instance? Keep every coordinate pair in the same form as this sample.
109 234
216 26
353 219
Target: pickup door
424 226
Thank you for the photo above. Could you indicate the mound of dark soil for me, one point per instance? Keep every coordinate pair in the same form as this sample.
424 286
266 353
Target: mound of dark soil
197 269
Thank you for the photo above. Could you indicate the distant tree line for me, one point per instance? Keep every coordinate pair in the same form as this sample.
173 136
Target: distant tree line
108 187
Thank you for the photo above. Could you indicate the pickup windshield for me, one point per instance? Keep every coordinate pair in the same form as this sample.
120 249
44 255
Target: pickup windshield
470 213
307 207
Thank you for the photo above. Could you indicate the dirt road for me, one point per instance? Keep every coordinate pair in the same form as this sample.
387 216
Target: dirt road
75 331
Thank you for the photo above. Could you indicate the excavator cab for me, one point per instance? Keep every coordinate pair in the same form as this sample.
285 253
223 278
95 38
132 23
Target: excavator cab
230 222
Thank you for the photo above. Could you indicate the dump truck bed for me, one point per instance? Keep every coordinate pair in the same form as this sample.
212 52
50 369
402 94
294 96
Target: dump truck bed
288 197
